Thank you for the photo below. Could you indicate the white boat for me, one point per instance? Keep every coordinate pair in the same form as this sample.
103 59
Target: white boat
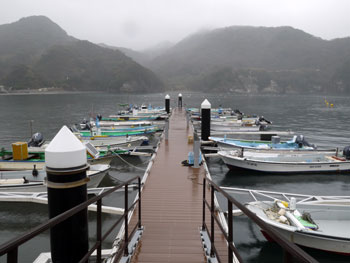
105 142
222 127
85 125
297 143
286 162
317 224
25 181
325 223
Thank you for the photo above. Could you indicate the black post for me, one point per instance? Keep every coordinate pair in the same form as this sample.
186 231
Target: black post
66 166
203 205
69 239
126 225
12 256
212 210
139 221
230 231
205 116
99 231
180 100
167 104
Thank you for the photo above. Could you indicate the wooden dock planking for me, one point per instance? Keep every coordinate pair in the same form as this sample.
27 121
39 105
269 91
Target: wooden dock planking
172 203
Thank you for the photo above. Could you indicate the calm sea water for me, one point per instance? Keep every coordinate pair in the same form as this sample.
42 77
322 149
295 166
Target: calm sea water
307 115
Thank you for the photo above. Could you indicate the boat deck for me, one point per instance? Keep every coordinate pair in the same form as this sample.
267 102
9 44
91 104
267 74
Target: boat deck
172 203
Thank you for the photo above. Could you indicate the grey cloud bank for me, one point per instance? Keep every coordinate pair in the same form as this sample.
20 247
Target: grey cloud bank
140 24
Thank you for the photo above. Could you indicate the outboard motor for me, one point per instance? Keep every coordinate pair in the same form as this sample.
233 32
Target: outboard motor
263 119
99 117
346 152
85 126
238 112
37 140
300 140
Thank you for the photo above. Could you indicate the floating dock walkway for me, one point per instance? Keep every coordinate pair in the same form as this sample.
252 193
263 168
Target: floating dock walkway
172 202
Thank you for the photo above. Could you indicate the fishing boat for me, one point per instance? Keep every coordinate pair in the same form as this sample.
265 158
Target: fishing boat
297 143
106 142
119 132
29 181
317 224
287 162
87 125
230 127
130 118
36 158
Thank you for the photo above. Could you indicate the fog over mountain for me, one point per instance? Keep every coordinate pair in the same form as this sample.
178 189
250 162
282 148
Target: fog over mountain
142 24
256 59
35 53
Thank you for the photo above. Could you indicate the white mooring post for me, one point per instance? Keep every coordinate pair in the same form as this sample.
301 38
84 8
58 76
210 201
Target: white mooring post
167 103
205 117
196 148
179 100
66 165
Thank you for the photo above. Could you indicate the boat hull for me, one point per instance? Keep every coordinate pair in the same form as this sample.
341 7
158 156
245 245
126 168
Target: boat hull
39 165
96 173
332 235
21 165
102 143
284 167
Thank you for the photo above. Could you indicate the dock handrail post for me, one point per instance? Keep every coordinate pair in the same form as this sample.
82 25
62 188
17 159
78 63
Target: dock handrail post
166 129
205 123
187 119
139 183
126 212
12 257
230 231
66 165
196 146
287 257
167 103
212 210
99 230
180 100
203 211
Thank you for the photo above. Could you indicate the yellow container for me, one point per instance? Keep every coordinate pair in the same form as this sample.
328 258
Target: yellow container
20 151
190 139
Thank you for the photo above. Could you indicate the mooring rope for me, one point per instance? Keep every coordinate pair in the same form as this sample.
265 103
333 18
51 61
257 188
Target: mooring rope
142 169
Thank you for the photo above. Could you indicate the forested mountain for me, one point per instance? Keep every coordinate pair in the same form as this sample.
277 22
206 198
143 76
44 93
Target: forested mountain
256 59
36 53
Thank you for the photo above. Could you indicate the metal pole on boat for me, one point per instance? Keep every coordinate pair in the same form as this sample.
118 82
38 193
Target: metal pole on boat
66 165
31 127
205 116
180 101
167 103
196 145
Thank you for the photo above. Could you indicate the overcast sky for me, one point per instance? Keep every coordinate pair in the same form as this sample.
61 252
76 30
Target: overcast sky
139 24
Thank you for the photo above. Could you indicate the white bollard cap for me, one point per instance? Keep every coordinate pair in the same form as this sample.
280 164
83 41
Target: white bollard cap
167 97
65 151
205 104
180 95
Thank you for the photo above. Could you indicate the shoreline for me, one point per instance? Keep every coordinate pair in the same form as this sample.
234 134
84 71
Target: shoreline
48 93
